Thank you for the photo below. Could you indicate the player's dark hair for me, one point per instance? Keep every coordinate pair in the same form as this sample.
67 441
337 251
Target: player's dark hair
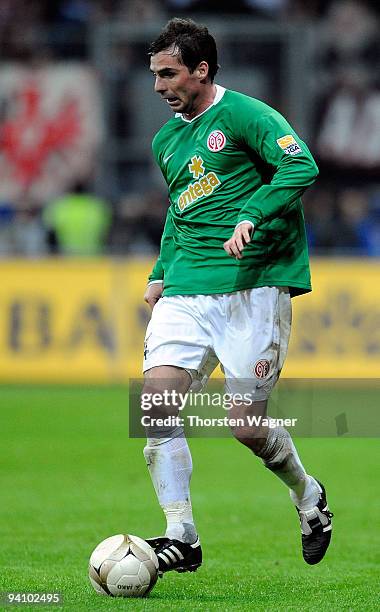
191 41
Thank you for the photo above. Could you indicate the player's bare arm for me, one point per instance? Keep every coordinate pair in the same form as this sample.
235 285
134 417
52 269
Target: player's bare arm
153 293
240 238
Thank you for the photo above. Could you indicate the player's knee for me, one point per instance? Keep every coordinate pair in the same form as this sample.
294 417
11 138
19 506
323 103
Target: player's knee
159 401
168 378
163 391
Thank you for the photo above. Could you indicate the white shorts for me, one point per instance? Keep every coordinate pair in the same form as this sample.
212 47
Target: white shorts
247 332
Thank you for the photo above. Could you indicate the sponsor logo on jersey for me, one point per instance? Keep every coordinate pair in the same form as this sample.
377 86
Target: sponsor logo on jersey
216 141
289 145
200 188
204 187
196 167
261 368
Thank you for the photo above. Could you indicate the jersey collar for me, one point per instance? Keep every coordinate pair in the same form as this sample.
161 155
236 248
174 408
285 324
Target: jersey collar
219 95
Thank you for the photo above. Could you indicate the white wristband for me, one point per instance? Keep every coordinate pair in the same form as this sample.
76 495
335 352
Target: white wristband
246 221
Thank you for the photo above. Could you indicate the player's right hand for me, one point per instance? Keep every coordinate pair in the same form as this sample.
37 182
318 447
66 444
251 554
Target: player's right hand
153 293
240 238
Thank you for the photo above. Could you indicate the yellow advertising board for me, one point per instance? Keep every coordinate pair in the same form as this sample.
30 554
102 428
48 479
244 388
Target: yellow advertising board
83 321
57 321
336 328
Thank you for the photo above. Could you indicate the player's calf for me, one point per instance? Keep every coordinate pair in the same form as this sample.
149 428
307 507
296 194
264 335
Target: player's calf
246 427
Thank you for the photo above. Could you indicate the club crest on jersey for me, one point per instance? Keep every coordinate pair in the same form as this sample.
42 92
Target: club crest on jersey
261 368
202 187
289 145
216 141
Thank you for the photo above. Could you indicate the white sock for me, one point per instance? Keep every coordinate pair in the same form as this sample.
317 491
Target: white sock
310 496
280 456
170 466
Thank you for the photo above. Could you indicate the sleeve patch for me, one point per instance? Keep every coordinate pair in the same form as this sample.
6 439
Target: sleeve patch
289 145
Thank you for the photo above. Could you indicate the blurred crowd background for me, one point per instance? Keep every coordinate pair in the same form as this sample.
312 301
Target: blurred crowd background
78 112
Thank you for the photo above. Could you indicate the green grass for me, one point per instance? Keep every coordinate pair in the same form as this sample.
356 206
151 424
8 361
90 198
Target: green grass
71 477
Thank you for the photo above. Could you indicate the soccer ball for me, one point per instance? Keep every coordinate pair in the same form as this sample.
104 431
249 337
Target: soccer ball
123 566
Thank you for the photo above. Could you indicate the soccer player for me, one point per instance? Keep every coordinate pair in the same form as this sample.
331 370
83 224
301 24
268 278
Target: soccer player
233 254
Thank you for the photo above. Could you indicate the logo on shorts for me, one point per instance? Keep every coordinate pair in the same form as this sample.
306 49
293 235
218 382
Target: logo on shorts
216 141
261 368
289 145
146 350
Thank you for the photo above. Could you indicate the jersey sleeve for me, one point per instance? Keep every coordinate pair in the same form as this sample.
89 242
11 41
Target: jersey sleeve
275 141
157 273
165 250
157 150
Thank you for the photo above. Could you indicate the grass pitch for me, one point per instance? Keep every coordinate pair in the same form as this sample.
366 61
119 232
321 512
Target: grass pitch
71 477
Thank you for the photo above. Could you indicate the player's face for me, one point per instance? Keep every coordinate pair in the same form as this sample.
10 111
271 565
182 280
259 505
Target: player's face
181 89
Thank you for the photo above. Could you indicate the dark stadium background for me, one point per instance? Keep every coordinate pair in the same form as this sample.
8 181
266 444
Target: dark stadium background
81 213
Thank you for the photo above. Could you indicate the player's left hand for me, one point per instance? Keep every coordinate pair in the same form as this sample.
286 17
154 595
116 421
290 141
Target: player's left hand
240 238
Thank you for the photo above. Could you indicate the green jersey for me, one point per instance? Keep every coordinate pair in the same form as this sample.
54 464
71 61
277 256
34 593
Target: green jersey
239 160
